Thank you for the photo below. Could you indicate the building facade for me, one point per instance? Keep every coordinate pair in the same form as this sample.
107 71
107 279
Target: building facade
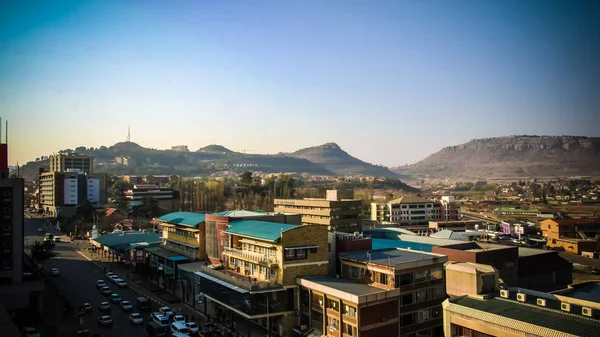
449 209
390 292
61 192
64 161
338 211
409 210
167 197
572 235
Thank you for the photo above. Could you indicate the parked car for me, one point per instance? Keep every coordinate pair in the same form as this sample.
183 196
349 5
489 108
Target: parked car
105 290
136 318
55 272
104 306
100 284
155 330
193 327
126 305
105 320
30 332
164 309
179 327
142 304
115 298
87 307
161 320
177 318
121 283
109 274
40 229
114 278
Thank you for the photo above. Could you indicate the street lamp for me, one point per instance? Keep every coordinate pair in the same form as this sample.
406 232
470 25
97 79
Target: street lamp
268 321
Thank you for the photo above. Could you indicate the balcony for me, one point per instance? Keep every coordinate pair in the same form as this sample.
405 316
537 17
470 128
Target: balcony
245 282
262 259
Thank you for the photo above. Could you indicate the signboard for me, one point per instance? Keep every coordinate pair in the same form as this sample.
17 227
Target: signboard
93 190
70 194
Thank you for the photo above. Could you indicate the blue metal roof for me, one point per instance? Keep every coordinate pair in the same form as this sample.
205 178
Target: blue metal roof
190 219
388 243
177 258
263 230
121 240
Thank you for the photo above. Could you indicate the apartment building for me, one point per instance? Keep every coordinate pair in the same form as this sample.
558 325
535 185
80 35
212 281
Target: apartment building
572 235
449 209
389 292
338 211
167 197
408 210
65 161
257 279
61 192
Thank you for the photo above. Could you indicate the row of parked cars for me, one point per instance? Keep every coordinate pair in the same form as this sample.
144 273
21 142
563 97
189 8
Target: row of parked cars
165 320
114 298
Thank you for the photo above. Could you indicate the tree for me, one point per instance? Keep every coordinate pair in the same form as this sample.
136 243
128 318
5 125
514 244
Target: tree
246 178
148 208
119 186
86 210
122 204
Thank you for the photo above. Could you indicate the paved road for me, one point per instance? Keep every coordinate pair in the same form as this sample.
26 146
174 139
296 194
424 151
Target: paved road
77 283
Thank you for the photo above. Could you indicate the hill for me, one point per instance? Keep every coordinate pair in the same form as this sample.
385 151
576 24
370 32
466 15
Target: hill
512 157
327 159
332 157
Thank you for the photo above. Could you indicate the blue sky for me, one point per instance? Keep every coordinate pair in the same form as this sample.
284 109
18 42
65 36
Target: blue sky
389 81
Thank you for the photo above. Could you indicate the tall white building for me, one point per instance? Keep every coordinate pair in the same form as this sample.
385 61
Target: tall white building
406 210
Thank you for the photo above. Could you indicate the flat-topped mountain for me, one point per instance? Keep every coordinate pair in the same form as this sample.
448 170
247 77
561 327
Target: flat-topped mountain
512 157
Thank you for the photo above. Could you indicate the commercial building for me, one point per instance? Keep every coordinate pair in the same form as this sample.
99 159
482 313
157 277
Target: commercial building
257 280
167 197
159 180
530 268
61 192
64 161
506 210
338 211
184 233
411 210
572 235
390 292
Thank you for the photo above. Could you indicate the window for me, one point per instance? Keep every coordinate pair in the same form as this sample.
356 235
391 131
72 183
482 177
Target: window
300 253
354 272
420 276
405 279
333 305
329 247
263 270
437 273
272 272
407 299
382 278
295 254
350 330
349 311
333 323
290 254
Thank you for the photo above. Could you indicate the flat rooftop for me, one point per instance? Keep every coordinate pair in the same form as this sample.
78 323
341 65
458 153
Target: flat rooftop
346 289
527 313
587 292
391 257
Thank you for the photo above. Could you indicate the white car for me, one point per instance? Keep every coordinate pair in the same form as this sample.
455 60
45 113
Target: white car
105 290
178 318
115 278
55 271
40 230
193 327
30 332
136 318
125 305
121 283
179 328
110 274
104 306
100 284
160 319
105 320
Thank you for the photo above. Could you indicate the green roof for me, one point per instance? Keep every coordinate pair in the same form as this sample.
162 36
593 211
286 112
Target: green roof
120 241
263 230
528 313
238 213
516 210
190 219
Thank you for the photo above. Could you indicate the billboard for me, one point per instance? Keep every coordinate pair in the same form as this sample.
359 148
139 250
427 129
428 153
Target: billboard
70 194
93 190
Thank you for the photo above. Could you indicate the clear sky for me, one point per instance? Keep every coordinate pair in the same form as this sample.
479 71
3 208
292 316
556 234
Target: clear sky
389 81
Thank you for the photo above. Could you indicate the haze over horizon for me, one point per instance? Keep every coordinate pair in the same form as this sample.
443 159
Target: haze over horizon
390 82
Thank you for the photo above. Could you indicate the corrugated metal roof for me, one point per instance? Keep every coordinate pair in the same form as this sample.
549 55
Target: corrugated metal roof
410 199
120 241
263 230
190 219
238 213
537 319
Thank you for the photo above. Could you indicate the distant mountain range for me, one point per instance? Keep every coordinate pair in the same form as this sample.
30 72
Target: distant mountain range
328 159
511 157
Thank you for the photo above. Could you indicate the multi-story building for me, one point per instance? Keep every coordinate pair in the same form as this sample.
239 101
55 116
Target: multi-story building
125 161
408 210
338 211
167 197
571 235
64 161
390 292
61 192
257 279
449 209
180 148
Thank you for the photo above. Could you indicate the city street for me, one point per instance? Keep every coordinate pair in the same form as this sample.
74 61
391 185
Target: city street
77 282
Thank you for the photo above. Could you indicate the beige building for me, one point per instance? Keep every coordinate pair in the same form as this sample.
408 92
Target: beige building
338 211
406 210
64 161
59 191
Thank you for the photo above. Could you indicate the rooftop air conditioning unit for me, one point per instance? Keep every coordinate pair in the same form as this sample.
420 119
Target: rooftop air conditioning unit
521 297
504 293
541 302
565 307
586 312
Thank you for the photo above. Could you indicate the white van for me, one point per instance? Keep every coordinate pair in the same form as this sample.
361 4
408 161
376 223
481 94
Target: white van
179 329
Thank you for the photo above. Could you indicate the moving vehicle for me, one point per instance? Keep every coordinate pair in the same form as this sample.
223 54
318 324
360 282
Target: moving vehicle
136 318
126 305
121 283
115 298
105 290
40 229
142 304
87 307
180 328
114 278
104 306
55 272
161 320
177 318
155 330
193 327
109 274
105 320
100 284
30 332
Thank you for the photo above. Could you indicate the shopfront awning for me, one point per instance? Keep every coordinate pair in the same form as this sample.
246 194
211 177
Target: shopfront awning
221 282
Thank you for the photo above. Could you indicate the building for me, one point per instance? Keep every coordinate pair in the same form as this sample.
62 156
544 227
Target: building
449 209
180 148
530 268
257 280
61 192
338 211
571 235
519 312
64 161
409 210
217 223
167 197
516 211
125 161
184 233
473 279
390 292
